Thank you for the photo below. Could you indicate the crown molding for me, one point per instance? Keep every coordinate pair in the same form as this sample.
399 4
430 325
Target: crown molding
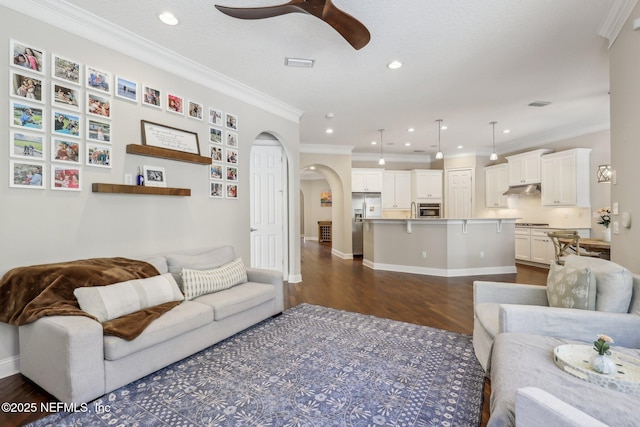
326 149
400 158
69 18
615 20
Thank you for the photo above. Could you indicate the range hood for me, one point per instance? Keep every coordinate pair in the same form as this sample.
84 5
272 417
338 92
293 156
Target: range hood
522 190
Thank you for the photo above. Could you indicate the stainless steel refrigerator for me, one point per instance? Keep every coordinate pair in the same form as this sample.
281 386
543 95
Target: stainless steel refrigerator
363 205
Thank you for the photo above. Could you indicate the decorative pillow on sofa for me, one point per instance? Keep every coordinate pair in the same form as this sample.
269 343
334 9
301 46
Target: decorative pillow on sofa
206 259
113 301
571 287
614 283
200 282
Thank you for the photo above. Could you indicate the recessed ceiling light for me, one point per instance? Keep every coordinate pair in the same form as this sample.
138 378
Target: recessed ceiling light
411 130
329 130
312 168
168 18
394 65
444 127
460 147
407 144
374 143
506 131
299 62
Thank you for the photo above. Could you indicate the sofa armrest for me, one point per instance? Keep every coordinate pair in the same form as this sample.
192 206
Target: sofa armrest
570 323
535 406
64 355
271 277
509 293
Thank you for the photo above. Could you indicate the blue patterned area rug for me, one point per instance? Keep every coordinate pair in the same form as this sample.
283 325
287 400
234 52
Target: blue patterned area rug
312 366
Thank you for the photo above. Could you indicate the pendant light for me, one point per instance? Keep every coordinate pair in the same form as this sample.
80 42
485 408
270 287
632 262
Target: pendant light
439 154
381 161
493 155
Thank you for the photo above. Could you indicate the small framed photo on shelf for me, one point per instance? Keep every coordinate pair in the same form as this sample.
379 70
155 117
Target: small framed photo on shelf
27 146
232 121
98 80
232 173
151 97
98 130
232 191
66 178
126 89
195 110
232 139
216 153
98 105
216 190
215 117
64 96
24 174
67 124
154 176
175 104
232 156
66 69
216 172
98 155
25 86
215 135
65 151
26 116
27 57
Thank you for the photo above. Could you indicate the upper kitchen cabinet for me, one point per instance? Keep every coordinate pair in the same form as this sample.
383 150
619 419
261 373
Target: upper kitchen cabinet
366 180
496 183
396 190
565 178
525 168
426 185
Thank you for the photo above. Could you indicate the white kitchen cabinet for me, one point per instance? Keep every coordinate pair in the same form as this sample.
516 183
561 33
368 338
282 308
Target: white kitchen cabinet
565 178
426 185
396 190
525 168
523 244
366 180
496 183
542 250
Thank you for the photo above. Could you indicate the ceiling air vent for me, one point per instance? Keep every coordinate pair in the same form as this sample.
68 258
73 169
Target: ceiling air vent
539 104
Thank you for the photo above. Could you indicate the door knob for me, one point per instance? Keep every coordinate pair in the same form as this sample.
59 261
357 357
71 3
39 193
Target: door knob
253 229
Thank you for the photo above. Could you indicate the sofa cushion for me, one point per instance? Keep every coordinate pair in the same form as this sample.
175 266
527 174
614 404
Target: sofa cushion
112 301
200 282
488 314
237 299
184 317
569 287
200 260
614 283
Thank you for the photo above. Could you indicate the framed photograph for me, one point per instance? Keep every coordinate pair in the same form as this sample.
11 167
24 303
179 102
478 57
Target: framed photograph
215 135
126 89
63 150
98 105
195 110
154 176
216 172
232 121
98 130
27 146
151 97
215 117
67 124
169 137
64 96
216 190
65 177
98 80
232 173
232 139
24 174
175 104
232 191
232 156
325 198
216 153
26 116
66 69
25 86
27 56
98 155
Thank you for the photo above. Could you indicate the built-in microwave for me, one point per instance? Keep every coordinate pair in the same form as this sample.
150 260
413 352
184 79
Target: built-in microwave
429 210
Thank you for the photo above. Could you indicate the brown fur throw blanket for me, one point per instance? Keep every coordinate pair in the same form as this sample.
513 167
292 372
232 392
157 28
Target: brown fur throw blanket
29 293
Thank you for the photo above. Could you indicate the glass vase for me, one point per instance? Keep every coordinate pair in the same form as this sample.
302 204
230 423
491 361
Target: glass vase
602 364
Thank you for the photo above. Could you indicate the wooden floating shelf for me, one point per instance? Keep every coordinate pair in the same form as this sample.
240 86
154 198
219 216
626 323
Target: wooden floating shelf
165 153
97 187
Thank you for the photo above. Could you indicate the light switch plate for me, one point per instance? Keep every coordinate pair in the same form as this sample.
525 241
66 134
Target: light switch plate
615 208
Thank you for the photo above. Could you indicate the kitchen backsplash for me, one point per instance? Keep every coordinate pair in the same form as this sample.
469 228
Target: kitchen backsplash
530 209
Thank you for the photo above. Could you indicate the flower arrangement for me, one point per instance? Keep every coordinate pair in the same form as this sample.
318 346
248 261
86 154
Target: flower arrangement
604 216
602 345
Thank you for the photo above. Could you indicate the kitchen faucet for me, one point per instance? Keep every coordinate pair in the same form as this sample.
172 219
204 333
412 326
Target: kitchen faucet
414 210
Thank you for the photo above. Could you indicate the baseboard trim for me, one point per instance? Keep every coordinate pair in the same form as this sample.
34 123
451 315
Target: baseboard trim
442 272
295 278
9 366
341 254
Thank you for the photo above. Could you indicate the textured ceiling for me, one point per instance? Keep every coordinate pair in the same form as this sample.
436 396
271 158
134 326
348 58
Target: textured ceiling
467 62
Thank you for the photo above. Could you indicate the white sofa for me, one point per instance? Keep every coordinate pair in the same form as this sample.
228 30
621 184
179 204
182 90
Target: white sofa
69 357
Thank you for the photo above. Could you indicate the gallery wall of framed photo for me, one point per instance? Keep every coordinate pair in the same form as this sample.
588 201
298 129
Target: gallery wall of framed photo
61 122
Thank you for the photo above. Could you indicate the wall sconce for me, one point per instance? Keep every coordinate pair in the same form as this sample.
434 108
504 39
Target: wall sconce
604 173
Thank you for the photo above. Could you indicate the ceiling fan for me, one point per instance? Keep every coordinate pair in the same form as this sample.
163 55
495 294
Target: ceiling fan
349 27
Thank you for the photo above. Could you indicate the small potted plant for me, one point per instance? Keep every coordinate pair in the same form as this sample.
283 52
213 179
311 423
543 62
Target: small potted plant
600 362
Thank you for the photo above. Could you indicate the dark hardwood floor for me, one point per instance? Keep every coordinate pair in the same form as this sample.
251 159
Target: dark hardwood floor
439 302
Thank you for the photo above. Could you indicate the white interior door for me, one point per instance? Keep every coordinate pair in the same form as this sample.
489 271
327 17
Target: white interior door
459 199
267 207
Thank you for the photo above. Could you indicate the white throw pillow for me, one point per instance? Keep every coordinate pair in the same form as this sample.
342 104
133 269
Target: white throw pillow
200 282
113 301
571 287
613 281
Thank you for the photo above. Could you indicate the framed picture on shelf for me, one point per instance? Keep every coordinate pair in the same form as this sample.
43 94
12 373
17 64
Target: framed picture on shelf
25 86
215 135
64 96
154 176
67 124
232 121
216 190
98 130
126 89
216 153
151 97
216 172
98 80
63 150
215 117
26 116
67 178
24 174
195 110
98 105
98 155
163 136
232 191
232 173
232 156
66 69
175 104
27 57
232 139
27 146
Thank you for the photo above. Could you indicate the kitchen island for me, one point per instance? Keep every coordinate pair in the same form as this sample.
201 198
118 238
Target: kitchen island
440 247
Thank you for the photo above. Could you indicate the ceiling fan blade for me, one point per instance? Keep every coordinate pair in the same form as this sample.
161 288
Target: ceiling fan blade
260 12
349 27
